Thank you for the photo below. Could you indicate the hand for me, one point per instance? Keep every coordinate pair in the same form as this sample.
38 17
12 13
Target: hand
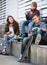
31 34
9 32
15 36
34 28
26 12
30 12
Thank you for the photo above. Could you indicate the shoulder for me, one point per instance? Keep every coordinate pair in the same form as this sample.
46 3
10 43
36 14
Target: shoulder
42 24
31 23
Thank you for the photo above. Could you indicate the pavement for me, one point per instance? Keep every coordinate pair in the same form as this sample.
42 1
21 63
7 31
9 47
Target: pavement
10 60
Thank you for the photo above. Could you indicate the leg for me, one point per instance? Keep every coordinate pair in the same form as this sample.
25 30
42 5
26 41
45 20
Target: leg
44 38
4 41
38 37
23 26
4 44
28 43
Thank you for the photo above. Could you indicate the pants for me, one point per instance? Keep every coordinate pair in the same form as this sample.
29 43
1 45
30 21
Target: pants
4 41
23 26
26 41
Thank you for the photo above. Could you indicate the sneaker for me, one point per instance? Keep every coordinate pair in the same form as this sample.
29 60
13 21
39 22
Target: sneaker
4 51
20 58
38 38
1 44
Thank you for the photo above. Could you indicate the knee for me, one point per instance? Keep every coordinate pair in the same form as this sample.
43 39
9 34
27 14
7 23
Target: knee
24 23
5 36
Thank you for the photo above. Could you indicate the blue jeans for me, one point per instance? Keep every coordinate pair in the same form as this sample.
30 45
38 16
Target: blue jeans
44 36
25 43
4 41
23 26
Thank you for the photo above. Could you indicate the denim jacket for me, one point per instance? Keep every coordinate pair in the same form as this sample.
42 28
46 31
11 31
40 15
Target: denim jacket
41 25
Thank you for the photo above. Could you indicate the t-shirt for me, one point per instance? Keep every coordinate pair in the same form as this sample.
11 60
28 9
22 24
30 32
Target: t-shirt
11 29
35 30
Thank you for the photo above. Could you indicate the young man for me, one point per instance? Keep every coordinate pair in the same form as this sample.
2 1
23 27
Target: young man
34 33
37 29
29 17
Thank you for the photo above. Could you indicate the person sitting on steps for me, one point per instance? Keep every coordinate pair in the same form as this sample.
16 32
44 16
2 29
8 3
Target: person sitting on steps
29 17
34 33
11 31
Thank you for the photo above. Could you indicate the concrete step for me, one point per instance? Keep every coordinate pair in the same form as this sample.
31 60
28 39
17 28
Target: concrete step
38 55
16 48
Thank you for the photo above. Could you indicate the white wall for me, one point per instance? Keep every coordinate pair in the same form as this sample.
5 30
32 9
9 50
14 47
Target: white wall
17 8
11 8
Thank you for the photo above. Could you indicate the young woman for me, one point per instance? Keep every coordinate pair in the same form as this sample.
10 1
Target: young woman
11 30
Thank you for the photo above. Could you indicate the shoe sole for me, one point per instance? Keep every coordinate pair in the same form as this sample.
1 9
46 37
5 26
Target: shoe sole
38 38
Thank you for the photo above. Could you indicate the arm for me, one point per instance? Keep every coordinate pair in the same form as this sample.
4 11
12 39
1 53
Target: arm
44 30
8 33
29 15
31 34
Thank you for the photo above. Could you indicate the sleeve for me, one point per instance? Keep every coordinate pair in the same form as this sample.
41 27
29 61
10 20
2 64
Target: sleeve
38 13
44 25
28 16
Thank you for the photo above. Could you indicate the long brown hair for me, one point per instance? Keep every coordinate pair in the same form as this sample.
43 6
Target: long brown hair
8 20
15 26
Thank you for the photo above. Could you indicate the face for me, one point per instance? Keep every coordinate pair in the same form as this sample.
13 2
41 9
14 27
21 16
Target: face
36 19
11 20
32 7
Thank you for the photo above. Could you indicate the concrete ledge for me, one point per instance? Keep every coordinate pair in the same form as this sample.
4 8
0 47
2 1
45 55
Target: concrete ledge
2 27
16 48
38 55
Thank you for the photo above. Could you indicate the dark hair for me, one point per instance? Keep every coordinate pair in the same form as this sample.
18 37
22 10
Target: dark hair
8 20
35 14
34 4
15 26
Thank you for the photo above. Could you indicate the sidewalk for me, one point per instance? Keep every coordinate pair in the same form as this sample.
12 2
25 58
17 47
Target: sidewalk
10 60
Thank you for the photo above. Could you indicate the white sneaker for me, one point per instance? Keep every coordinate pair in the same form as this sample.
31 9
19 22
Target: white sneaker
20 58
3 51
1 44
38 38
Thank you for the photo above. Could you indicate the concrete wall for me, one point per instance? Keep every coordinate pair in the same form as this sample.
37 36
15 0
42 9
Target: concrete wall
16 48
38 55
2 30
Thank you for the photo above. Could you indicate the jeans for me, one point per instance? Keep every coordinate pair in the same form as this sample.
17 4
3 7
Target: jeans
4 41
25 43
23 26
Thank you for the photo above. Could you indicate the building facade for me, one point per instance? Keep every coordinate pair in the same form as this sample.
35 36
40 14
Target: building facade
17 9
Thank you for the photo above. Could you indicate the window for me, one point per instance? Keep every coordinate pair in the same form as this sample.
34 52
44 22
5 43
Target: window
24 5
2 11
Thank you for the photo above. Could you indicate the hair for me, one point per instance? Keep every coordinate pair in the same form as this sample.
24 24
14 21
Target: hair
8 20
34 4
15 26
35 15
